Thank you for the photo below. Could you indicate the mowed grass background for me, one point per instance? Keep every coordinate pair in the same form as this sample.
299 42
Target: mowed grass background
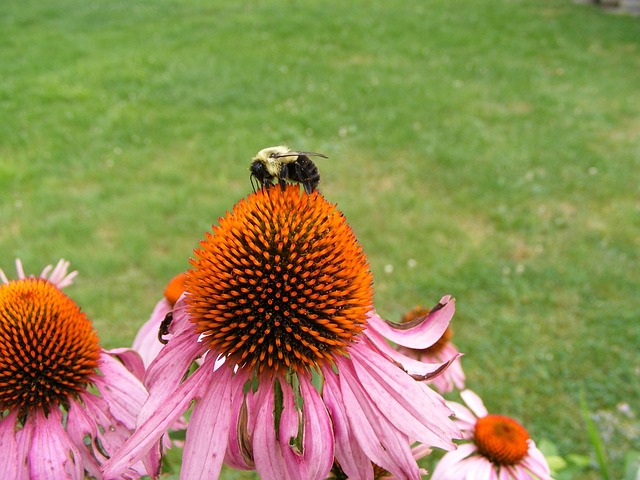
487 150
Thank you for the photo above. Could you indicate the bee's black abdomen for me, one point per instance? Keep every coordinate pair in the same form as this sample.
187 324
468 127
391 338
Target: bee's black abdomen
304 171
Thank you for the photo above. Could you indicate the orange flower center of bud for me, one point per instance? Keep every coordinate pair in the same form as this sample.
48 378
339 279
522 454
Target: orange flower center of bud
48 348
282 283
419 312
501 439
175 288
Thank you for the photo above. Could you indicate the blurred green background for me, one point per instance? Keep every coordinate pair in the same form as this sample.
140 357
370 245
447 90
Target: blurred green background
487 150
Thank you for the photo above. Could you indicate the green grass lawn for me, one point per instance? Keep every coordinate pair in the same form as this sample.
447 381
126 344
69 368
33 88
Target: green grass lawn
488 150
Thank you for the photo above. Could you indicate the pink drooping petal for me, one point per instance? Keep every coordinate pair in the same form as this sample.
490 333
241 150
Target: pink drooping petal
465 419
352 459
512 471
52 454
421 335
131 359
316 458
236 455
172 404
474 402
24 438
416 368
413 409
480 468
267 454
318 441
82 423
90 423
13 464
288 431
535 462
449 467
167 371
453 376
208 434
122 391
382 442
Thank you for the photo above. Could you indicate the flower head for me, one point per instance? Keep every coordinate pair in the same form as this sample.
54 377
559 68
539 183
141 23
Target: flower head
49 361
441 351
498 447
296 370
282 283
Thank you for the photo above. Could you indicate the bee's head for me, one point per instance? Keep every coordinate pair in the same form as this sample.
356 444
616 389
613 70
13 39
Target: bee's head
269 154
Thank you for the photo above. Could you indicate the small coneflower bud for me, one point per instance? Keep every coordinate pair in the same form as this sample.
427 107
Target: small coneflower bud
281 283
175 288
501 439
48 348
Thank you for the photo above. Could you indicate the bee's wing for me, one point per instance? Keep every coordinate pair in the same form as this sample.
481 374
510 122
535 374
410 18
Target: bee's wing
298 154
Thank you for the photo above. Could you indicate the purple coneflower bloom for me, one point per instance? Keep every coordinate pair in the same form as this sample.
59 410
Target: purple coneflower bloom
499 448
66 404
297 370
441 351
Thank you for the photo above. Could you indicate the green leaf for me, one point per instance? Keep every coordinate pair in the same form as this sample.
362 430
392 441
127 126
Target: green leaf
632 466
594 438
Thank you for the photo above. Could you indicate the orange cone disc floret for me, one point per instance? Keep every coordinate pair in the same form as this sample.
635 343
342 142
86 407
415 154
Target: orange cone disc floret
48 347
501 439
282 283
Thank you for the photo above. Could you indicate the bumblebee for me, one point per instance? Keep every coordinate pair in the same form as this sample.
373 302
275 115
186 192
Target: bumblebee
280 165
164 328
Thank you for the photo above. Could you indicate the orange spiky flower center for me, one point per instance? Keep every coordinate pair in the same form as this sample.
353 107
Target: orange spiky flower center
420 312
281 283
48 347
501 439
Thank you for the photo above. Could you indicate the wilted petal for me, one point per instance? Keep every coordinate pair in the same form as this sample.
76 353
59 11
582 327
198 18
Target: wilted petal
412 408
421 335
123 392
318 438
416 368
13 464
52 454
316 458
131 359
166 372
266 448
238 448
210 422
383 443
352 459
172 404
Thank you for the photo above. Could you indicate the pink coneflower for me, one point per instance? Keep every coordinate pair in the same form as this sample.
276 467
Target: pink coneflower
441 351
296 372
65 403
149 339
499 447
